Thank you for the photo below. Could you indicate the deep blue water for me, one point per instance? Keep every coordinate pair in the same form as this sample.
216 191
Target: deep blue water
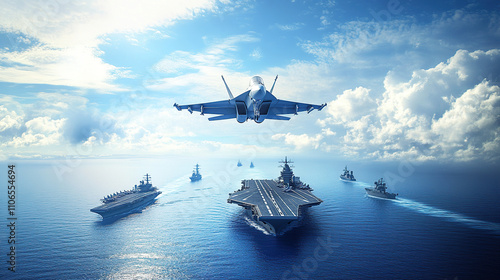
445 224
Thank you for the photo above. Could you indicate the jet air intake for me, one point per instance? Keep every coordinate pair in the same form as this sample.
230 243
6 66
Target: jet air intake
262 112
241 111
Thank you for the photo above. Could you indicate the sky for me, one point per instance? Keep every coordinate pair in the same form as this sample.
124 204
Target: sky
404 80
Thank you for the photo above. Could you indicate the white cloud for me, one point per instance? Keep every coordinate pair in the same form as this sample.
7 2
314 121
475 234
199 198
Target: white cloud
9 119
472 121
448 112
76 66
63 24
351 105
290 27
216 56
69 34
256 54
199 73
412 105
403 43
299 141
305 141
41 131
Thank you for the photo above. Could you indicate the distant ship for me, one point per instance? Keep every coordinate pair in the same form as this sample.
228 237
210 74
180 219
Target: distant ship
239 163
196 174
275 204
347 176
251 165
124 202
380 190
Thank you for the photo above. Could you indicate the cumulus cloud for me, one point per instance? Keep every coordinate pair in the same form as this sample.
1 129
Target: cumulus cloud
412 105
49 122
351 105
9 119
41 131
472 123
450 111
299 141
304 141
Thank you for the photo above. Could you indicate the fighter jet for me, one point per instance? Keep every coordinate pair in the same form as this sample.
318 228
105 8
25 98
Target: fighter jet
256 103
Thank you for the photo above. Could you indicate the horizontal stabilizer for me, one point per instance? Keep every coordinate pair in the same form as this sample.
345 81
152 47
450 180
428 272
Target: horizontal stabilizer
222 117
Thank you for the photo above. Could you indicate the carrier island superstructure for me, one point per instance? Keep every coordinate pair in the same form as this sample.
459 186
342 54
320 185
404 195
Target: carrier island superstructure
277 205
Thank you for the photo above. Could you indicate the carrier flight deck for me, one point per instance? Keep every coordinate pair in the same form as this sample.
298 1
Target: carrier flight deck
275 204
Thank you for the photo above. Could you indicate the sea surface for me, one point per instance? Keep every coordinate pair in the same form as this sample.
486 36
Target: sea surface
445 223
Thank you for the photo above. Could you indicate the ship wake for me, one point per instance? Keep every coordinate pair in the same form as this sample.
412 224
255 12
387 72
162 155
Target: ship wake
255 225
449 215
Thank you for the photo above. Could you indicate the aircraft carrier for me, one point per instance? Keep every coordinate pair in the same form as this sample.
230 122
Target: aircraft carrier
277 205
124 202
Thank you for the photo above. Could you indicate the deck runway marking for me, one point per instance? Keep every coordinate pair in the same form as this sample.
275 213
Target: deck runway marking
264 199
281 199
269 193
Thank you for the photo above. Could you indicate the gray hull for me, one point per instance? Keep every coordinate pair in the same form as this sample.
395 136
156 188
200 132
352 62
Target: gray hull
126 204
345 178
270 206
375 193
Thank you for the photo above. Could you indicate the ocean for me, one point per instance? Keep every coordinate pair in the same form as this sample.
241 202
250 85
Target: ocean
445 223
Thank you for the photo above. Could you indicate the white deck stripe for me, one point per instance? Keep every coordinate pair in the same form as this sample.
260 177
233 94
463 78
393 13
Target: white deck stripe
282 200
272 198
264 199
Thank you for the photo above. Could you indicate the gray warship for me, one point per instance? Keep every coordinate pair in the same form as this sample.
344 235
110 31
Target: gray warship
347 176
275 204
196 174
123 202
380 190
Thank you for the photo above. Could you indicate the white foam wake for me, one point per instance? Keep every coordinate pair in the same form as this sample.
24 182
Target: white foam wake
256 225
449 215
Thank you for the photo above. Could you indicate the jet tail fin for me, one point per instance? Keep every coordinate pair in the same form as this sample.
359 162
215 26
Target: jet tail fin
227 88
273 84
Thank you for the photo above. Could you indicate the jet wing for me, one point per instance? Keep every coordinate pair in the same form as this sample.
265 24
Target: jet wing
280 107
223 107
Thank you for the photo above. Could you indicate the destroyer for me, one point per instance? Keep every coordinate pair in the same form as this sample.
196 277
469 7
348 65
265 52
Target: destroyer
196 174
275 204
124 202
347 176
380 190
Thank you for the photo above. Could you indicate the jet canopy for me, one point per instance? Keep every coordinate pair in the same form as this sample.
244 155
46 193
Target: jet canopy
256 80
